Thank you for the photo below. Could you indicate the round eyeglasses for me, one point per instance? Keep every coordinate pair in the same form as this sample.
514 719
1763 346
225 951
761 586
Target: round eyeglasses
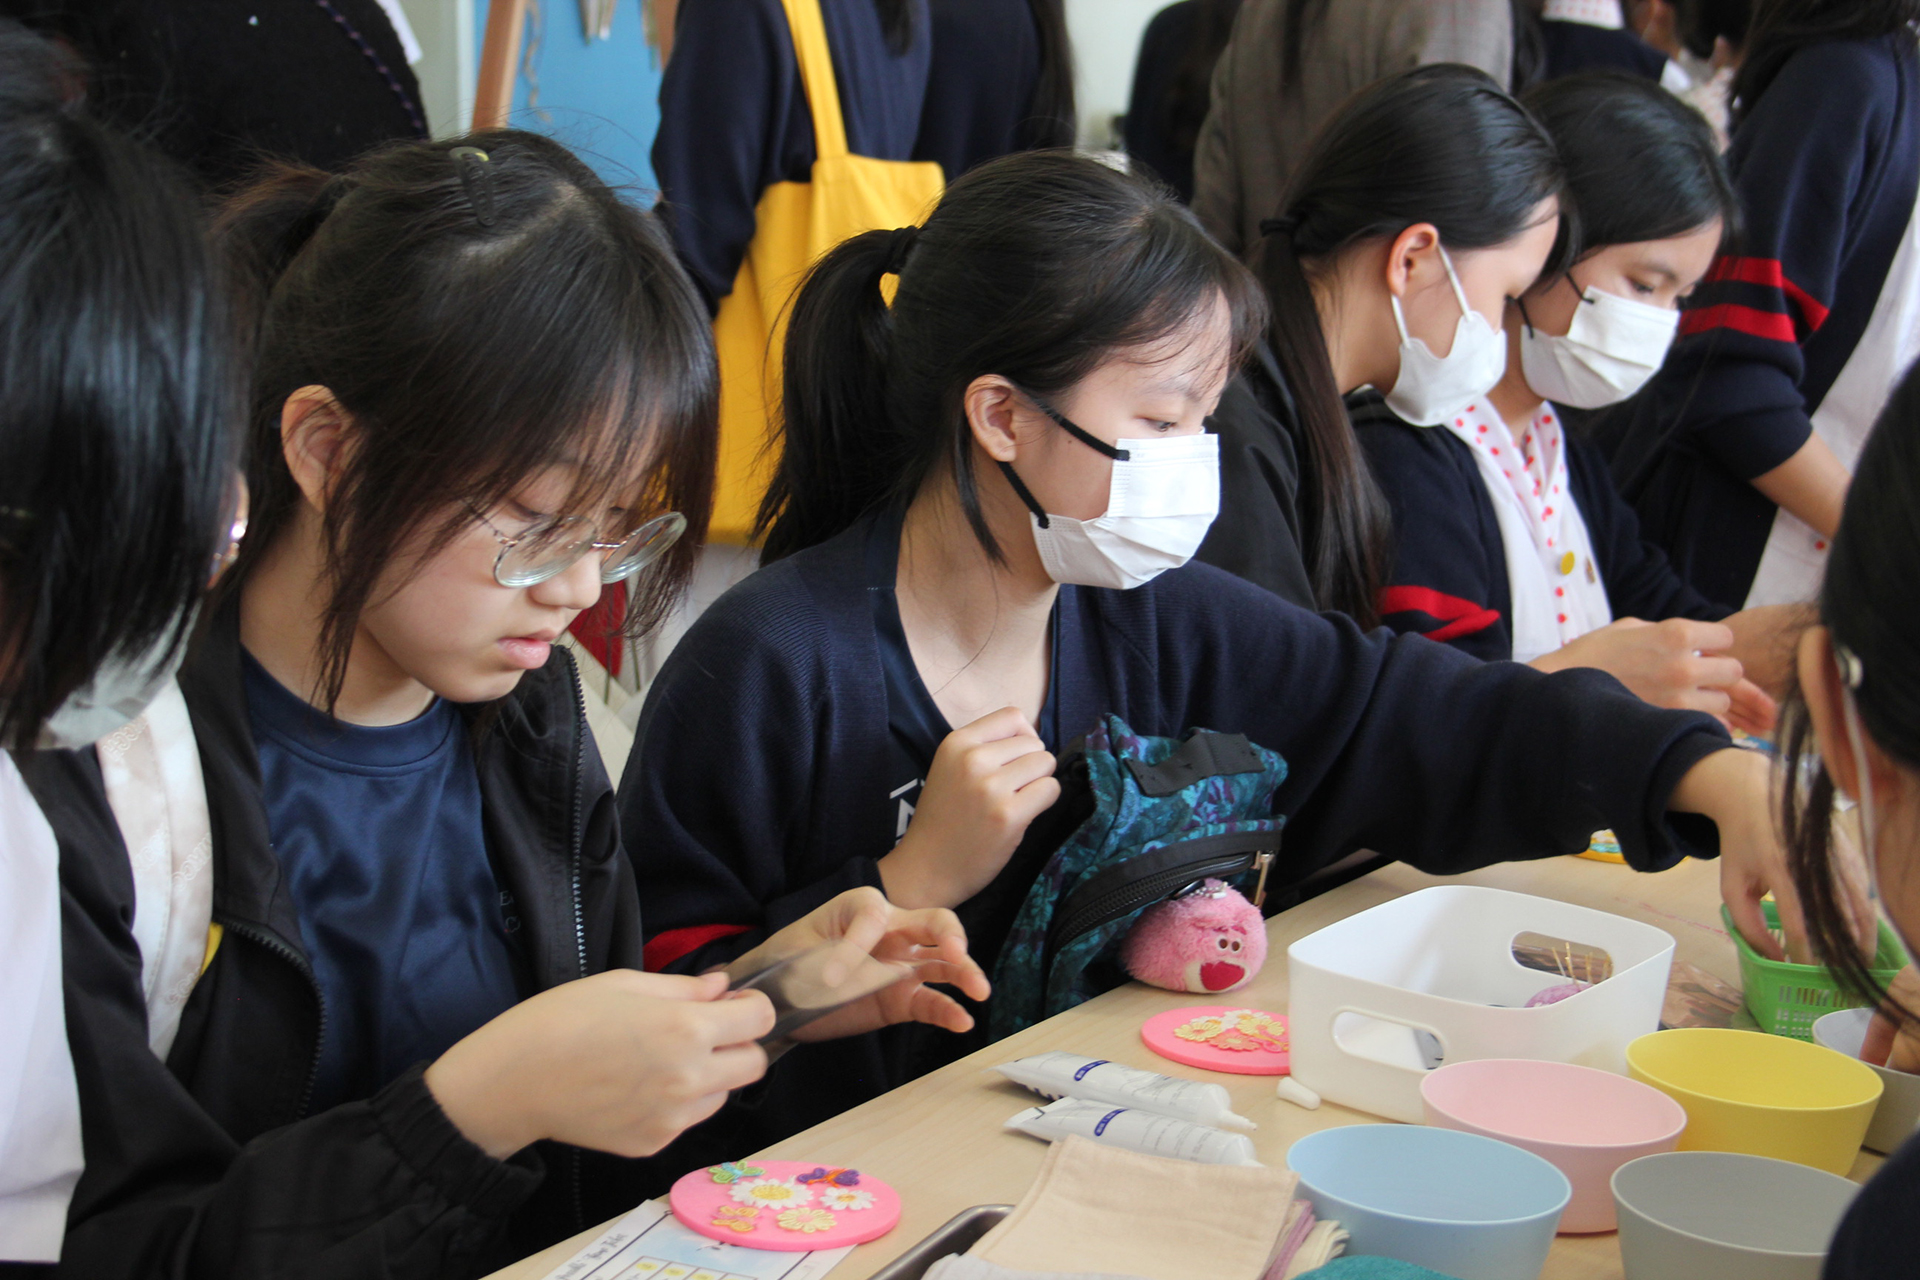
552 547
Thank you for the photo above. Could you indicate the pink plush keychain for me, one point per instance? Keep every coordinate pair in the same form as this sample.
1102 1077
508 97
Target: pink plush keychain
1209 940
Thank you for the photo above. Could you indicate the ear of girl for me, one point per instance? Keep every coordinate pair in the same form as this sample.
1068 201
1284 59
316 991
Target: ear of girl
922 647
483 390
1510 540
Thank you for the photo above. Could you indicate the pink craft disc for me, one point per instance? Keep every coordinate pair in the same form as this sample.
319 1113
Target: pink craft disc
785 1204
1216 1044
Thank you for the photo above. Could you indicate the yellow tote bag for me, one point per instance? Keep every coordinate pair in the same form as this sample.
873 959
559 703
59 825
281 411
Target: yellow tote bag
795 224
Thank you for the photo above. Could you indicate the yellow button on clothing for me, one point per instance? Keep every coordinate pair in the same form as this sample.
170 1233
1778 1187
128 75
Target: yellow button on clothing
1566 563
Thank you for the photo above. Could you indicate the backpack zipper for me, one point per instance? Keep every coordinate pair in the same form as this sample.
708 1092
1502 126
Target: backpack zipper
1146 891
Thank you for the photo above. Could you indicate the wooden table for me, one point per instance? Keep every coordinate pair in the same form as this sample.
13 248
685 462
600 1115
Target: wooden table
939 1139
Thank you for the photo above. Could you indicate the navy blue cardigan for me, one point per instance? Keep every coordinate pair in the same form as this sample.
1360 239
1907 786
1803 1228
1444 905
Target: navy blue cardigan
757 788
1827 166
986 62
1448 578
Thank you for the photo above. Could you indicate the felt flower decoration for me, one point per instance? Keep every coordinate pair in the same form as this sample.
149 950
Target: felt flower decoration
728 1172
847 1198
739 1217
1201 1029
806 1220
783 1193
1250 1029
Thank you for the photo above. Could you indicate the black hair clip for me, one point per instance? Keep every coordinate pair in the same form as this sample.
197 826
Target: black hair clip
476 179
1285 226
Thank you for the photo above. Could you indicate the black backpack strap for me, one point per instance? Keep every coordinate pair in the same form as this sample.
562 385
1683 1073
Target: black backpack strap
1204 755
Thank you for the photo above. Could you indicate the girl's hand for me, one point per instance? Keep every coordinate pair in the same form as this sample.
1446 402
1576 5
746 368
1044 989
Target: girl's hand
988 781
1892 1045
1678 663
1735 789
620 1062
926 946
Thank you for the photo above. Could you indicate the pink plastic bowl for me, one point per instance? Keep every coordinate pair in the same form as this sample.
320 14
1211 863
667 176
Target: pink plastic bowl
1587 1123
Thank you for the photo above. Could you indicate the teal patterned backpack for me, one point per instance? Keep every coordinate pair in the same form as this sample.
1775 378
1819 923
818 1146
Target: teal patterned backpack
1166 814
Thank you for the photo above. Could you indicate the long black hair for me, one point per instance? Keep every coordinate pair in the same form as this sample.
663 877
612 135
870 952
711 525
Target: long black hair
1866 602
1036 266
1782 28
484 308
1052 118
1641 164
119 422
1190 88
1441 144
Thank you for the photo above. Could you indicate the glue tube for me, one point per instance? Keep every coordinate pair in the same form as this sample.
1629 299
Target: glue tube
1133 1130
1068 1075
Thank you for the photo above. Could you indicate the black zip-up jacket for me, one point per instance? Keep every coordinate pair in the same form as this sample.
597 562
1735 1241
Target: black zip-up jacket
211 1165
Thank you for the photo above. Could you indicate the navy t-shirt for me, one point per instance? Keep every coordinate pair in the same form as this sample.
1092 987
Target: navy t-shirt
379 835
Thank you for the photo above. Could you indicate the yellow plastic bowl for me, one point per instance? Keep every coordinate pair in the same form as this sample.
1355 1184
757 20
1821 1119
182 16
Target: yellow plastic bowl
1761 1095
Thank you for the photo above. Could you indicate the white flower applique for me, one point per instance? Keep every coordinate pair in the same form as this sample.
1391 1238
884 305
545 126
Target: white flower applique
782 1193
846 1198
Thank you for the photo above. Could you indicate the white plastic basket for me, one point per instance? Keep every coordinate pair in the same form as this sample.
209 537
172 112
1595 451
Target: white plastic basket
1385 996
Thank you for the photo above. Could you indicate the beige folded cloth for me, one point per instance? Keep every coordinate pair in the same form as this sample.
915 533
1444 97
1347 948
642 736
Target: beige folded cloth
1097 1208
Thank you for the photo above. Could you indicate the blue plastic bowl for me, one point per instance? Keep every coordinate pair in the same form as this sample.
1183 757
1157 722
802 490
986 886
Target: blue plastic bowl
1456 1202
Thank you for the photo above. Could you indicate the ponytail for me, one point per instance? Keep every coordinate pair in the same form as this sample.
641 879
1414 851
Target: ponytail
833 467
1036 267
1442 144
1348 536
266 225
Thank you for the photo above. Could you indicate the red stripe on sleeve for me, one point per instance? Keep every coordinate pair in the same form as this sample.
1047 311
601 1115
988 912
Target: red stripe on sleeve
663 949
1769 273
1462 617
1728 315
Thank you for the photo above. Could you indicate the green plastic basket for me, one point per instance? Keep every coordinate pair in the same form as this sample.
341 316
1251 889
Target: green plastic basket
1786 999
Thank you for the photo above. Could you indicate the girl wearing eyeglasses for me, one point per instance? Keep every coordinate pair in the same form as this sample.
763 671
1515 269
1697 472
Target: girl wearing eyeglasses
483 390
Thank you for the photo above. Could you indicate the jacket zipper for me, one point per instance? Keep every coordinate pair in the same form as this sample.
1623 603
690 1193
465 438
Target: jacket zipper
576 837
305 970
1147 891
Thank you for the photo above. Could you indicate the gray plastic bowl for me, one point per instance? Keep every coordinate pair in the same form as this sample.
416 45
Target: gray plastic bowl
1845 1030
1715 1215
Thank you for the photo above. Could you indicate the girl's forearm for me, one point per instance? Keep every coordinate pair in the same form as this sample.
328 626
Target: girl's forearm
1812 485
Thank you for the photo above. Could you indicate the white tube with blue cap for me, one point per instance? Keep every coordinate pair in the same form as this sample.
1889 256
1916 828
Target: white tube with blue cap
1070 1075
1131 1130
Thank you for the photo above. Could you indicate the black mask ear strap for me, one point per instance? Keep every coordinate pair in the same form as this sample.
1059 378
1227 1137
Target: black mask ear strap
1060 420
1026 494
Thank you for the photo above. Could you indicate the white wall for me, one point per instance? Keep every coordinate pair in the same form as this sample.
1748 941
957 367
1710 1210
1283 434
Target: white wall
447 41
1106 40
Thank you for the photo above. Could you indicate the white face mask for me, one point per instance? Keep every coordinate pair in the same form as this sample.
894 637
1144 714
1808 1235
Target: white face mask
116 696
1431 389
1162 499
1614 346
